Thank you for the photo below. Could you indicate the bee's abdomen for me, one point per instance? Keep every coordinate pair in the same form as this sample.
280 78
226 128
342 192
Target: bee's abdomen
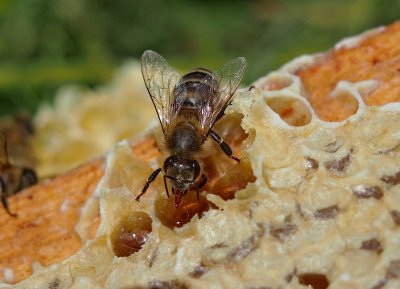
202 75
198 87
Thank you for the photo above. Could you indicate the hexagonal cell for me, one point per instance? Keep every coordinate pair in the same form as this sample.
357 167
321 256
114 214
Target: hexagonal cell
131 234
347 101
234 180
277 82
291 110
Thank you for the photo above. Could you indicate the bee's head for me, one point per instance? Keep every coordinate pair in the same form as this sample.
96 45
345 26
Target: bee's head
182 173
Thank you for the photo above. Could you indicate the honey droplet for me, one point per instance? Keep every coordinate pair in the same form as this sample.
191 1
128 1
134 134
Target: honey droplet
172 217
131 234
315 280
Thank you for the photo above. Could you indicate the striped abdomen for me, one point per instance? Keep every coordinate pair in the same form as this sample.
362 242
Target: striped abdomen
194 90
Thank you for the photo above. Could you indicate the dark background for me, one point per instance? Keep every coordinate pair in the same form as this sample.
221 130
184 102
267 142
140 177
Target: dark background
47 43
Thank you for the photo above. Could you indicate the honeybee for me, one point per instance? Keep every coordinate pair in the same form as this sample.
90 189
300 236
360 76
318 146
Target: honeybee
12 179
188 106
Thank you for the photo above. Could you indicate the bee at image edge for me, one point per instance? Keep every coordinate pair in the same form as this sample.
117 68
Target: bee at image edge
12 179
188 107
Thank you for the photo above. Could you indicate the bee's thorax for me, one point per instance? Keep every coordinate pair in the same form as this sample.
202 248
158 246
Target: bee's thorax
184 139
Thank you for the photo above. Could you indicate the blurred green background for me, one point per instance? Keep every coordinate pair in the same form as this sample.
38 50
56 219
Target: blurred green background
47 43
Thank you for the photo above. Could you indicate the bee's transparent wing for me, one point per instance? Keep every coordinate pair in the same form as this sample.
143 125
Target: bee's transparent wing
229 77
160 80
3 151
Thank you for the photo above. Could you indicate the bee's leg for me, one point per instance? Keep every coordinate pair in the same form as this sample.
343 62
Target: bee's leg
152 177
166 186
200 184
252 87
224 146
3 197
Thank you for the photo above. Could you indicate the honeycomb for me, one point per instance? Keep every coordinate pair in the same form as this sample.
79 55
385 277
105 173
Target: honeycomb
312 203
81 124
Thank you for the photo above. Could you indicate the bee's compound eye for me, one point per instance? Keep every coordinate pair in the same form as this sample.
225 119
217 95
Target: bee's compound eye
171 161
194 165
172 166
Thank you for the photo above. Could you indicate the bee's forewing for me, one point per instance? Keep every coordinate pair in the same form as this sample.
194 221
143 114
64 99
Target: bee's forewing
160 80
229 77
